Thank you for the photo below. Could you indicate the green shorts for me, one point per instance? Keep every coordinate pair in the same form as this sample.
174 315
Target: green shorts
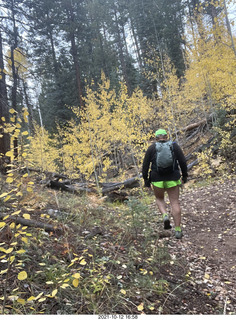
166 184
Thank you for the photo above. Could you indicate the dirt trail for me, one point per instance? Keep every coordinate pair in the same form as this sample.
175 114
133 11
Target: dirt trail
207 250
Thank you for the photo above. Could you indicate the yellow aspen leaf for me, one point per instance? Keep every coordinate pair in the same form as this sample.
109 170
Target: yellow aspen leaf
64 285
76 275
29 189
9 250
122 291
2 224
25 133
20 251
21 301
207 276
32 298
83 262
67 280
22 275
54 292
26 216
3 119
19 194
9 154
25 240
12 111
3 194
18 125
4 271
75 283
39 296
9 180
140 307
12 259
16 213
24 154
49 282
25 175
42 299
31 183
12 225
6 217
7 198
13 243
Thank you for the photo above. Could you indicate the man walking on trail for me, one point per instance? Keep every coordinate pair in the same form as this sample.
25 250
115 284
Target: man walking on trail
165 158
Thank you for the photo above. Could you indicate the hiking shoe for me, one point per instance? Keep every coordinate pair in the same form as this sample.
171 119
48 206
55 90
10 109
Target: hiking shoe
167 223
178 234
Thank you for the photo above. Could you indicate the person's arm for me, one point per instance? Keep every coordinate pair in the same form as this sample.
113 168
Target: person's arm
182 161
145 168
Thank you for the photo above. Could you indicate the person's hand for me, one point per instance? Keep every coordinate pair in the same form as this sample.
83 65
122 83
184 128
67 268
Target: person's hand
184 179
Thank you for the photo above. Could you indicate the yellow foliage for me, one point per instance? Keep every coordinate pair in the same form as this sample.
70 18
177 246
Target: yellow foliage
42 153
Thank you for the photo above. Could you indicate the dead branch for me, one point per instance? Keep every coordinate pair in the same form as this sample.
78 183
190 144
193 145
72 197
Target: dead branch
32 223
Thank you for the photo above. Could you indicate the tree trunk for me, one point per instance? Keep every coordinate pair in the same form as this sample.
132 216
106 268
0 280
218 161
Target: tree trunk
74 53
29 107
136 43
229 28
121 53
4 137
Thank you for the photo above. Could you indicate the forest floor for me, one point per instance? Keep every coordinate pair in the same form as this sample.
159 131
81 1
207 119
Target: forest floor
125 262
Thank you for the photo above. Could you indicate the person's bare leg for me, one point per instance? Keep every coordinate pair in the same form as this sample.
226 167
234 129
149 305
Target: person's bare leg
160 199
173 194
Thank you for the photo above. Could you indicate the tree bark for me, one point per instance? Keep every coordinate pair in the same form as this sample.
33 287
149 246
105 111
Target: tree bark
4 112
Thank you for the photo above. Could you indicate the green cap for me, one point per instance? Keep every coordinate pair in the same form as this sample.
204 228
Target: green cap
160 132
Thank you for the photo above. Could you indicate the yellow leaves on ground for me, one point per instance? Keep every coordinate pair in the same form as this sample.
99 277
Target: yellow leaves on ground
207 276
53 294
7 251
123 291
26 216
83 262
2 224
22 275
75 283
140 307
9 180
3 195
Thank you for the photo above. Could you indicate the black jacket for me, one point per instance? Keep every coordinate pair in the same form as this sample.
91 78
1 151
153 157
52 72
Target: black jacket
154 175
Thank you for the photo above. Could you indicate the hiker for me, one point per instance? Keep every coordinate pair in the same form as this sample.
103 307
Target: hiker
165 157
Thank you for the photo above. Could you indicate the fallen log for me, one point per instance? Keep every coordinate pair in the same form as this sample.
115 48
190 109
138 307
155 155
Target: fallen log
129 183
194 125
32 223
76 189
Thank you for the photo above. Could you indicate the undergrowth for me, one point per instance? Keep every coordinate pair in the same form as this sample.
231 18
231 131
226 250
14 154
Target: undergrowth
116 270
